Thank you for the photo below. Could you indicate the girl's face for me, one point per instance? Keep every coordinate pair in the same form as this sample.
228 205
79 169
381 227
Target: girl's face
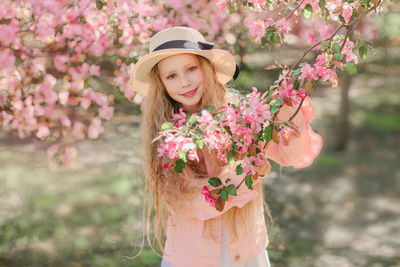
183 79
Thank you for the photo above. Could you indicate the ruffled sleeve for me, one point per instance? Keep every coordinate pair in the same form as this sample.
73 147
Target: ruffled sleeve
302 149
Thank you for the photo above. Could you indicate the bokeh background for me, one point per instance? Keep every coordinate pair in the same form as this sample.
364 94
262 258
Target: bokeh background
344 210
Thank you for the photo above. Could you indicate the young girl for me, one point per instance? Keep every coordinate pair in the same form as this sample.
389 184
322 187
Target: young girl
182 70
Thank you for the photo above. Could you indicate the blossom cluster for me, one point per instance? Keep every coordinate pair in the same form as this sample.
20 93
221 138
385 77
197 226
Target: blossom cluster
51 54
233 131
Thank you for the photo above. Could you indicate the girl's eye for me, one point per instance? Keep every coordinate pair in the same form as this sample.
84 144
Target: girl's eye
192 69
169 77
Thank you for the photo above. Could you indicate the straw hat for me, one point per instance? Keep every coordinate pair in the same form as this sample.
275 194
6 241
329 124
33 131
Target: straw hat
178 40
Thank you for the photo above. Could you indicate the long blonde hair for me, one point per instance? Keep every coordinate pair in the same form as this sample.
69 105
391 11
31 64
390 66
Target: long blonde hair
164 186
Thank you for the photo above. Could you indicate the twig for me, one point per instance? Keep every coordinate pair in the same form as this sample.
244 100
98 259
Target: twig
291 14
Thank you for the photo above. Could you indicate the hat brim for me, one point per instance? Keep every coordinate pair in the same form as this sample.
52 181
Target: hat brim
223 62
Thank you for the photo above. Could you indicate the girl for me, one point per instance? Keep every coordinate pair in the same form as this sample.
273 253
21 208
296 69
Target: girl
182 70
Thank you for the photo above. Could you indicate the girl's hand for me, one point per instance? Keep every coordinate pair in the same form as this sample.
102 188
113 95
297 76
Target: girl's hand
262 170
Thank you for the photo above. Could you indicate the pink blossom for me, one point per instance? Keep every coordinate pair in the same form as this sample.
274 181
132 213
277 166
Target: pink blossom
160 24
325 30
256 28
193 156
308 72
106 112
207 195
60 62
78 130
7 59
259 159
65 121
161 150
69 154
347 12
285 134
311 39
283 26
248 166
138 98
43 131
180 118
95 128
85 102
165 165
205 117
6 118
348 51
302 93
94 70
9 33
63 97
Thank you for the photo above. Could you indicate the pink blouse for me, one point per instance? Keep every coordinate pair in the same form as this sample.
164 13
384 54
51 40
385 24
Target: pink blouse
188 243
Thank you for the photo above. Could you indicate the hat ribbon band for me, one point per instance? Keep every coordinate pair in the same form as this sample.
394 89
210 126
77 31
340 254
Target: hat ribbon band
184 44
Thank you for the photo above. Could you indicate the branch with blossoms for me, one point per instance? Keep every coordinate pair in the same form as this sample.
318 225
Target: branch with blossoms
52 52
336 51
234 131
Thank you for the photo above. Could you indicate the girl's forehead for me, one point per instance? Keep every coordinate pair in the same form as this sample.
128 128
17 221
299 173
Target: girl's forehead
175 61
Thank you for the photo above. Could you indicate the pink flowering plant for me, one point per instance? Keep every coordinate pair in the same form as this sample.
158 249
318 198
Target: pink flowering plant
234 131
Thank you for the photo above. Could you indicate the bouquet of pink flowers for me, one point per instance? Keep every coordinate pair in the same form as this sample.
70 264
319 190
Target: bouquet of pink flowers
234 131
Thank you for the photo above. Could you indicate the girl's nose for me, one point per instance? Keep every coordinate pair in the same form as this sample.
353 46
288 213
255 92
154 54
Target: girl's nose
185 81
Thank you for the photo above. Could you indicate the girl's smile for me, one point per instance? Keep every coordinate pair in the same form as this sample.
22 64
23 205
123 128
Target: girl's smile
190 93
183 79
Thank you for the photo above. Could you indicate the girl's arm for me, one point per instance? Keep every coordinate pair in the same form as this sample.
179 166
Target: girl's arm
303 148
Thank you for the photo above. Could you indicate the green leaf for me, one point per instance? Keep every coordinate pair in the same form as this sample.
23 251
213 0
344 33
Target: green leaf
307 11
342 20
324 44
267 134
276 102
338 56
249 182
363 52
269 34
296 72
336 48
231 156
321 4
274 110
276 39
228 129
224 194
86 83
214 181
227 180
193 119
350 68
231 189
18 61
210 108
239 169
167 126
234 146
183 156
296 85
199 143
179 166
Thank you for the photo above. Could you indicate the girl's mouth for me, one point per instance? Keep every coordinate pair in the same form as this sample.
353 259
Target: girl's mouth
190 93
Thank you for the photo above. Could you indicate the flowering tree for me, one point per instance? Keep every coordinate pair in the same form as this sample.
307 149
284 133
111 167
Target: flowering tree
51 52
